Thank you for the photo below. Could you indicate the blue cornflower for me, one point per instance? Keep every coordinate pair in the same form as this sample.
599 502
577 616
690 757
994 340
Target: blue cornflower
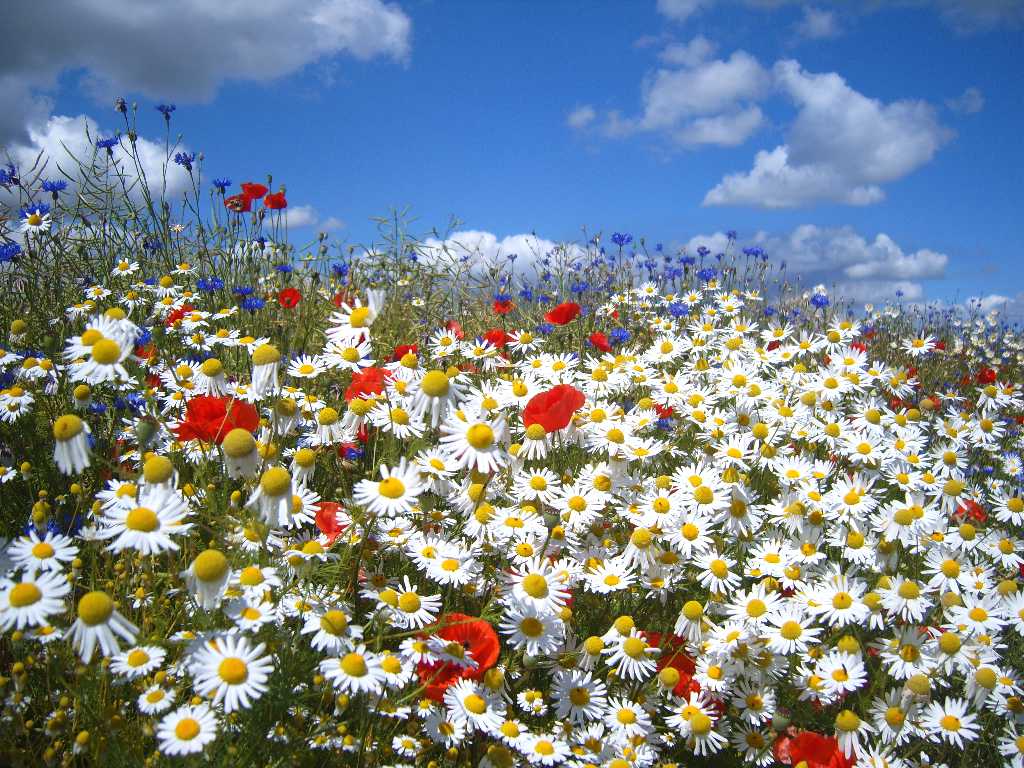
659 247
152 244
526 294
769 311
512 256
819 301
353 453
121 105
8 175
185 159
97 408
253 303
144 338
222 184
687 260
209 284
285 268
545 328
678 309
618 336
703 250
9 251
708 273
108 144
341 269
53 187
501 297
621 238
165 110
36 209
579 288
244 290
899 294
731 234
663 424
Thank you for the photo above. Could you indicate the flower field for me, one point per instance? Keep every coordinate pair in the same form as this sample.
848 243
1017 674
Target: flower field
613 505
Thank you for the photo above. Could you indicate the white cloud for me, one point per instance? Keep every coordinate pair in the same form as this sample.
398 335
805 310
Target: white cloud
967 16
860 268
967 103
61 138
681 10
332 223
841 147
690 54
704 102
581 117
1010 307
818 24
301 215
182 51
480 245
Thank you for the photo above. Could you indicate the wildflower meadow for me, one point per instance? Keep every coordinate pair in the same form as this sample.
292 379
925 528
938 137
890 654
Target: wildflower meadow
609 505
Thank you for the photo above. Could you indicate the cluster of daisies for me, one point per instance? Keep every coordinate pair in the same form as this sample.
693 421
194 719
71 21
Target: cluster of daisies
736 536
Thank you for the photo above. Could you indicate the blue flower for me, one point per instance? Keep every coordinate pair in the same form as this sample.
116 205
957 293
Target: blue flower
618 336
209 284
152 244
40 209
285 268
731 234
243 290
526 294
222 184
545 328
819 301
8 175
9 251
165 110
703 250
687 260
769 311
185 159
97 408
53 187
678 309
108 144
353 453
663 424
621 238
253 303
144 338
341 269
708 273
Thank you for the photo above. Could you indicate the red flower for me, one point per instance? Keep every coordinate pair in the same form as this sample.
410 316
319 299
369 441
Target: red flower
369 382
940 344
860 346
289 298
497 337
563 313
327 520
275 201
664 411
342 297
238 203
253 191
812 749
553 409
971 509
673 655
210 418
503 306
986 376
599 341
402 350
455 327
479 640
774 344
178 314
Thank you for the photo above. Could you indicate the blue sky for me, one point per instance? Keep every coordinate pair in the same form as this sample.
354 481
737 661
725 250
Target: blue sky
889 133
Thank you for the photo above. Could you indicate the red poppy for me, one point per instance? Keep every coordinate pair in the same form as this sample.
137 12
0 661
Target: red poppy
673 655
971 509
503 306
210 418
986 376
496 337
238 203
860 346
368 382
599 341
563 313
275 201
811 749
940 344
342 297
178 314
774 344
664 411
327 520
455 327
253 191
403 349
553 409
479 640
289 298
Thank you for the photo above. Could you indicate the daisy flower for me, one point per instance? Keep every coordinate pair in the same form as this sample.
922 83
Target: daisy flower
138 662
147 528
206 578
358 671
396 492
232 670
71 444
154 700
99 623
950 722
187 730
30 601
475 444
51 552
632 657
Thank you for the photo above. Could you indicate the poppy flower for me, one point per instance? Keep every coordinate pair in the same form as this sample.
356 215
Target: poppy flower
253 191
553 409
209 418
496 337
370 381
275 201
810 749
327 520
599 341
289 298
478 639
503 306
860 346
563 313
673 655
178 314
402 350
971 509
342 297
455 327
774 344
986 376
238 203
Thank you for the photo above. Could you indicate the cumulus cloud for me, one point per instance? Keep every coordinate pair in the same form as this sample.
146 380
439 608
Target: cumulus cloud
301 215
702 102
841 147
967 103
58 141
1010 307
482 246
581 117
183 51
818 24
681 10
860 268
